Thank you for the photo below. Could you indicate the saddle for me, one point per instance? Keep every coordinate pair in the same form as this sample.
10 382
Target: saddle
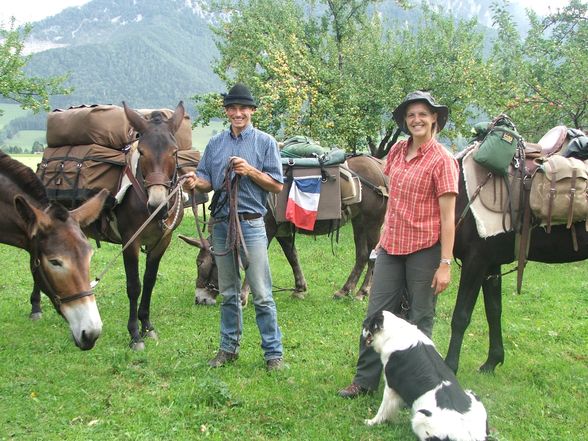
540 188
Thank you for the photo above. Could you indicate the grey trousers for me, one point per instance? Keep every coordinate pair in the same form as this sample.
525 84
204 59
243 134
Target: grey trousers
393 275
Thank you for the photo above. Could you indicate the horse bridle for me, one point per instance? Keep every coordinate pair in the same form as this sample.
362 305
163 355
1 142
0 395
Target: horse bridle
37 268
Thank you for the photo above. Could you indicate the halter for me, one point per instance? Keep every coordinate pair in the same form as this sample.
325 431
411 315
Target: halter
37 269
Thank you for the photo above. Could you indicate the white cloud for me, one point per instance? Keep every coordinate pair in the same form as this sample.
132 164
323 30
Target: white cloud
542 7
33 10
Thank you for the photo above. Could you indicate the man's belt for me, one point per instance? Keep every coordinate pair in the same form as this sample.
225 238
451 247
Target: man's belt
248 216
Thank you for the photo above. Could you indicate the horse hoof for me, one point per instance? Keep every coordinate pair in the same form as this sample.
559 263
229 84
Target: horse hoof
34 316
488 368
339 295
151 334
360 297
244 301
298 295
137 346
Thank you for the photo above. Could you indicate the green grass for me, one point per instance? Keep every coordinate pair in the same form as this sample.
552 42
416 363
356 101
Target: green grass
52 391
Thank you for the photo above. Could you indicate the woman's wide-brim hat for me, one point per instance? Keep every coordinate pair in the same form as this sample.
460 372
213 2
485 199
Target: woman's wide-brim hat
238 94
420 96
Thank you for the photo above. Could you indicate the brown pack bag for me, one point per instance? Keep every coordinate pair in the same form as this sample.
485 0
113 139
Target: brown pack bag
72 174
188 161
184 133
105 125
558 191
329 206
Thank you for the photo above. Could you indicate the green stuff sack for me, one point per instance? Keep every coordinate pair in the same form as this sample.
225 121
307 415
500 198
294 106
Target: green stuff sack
498 148
301 147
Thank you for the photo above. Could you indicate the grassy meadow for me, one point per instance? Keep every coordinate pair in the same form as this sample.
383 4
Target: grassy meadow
50 390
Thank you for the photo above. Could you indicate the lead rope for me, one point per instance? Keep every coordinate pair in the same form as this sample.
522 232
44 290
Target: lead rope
98 278
235 240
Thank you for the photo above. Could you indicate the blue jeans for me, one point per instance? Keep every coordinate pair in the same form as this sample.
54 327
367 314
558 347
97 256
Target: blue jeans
259 277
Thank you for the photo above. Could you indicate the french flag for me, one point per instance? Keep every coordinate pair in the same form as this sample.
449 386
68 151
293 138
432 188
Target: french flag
303 201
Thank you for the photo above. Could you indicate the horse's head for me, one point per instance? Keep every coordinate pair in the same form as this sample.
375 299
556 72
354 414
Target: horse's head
157 147
60 261
206 270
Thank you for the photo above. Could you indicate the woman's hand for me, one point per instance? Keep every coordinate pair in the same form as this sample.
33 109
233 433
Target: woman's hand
441 278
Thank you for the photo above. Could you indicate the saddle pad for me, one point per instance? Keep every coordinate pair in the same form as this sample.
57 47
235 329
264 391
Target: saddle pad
489 207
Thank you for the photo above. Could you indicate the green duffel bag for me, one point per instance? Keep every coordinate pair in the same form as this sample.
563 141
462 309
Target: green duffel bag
301 147
498 148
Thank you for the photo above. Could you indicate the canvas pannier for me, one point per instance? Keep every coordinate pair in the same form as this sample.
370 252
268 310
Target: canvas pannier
330 199
188 161
72 174
558 191
105 125
499 146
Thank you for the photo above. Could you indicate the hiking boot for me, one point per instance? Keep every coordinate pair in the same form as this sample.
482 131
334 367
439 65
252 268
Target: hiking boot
222 358
275 364
353 391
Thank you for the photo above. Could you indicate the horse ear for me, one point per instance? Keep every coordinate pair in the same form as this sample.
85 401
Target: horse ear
34 218
137 121
176 120
91 209
193 241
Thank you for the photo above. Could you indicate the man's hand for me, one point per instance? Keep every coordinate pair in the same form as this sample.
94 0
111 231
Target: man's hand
193 182
241 166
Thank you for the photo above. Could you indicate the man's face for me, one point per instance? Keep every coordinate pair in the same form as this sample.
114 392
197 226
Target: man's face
239 116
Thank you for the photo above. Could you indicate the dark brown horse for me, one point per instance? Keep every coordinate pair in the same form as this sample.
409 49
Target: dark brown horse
481 267
60 253
366 218
156 178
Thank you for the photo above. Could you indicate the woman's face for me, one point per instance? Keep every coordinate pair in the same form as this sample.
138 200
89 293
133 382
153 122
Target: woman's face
420 120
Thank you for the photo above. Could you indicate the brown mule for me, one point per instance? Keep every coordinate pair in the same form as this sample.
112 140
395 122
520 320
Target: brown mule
60 253
367 217
153 187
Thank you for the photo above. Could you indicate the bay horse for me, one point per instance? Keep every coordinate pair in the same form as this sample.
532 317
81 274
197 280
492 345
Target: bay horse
59 251
366 216
154 185
481 268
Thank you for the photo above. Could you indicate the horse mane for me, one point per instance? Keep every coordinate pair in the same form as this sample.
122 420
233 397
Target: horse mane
157 117
24 177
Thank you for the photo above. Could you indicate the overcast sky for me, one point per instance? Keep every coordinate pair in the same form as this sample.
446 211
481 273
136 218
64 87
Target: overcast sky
34 10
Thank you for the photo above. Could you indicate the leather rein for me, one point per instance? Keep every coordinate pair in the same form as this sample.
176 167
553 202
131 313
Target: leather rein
235 241
140 190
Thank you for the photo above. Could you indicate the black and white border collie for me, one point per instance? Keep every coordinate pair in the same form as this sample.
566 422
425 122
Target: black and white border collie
417 375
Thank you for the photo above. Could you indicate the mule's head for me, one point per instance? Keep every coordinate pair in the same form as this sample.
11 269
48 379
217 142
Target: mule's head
206 270
157 147
60 262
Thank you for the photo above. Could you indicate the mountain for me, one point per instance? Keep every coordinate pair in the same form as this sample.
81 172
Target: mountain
147 53
153 53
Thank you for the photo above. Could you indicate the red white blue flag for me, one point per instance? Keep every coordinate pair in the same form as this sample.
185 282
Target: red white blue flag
303 201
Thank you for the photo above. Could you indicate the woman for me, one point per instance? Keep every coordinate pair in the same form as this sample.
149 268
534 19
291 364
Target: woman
415 249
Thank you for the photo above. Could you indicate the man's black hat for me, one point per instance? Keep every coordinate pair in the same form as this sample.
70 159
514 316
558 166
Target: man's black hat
400 112
239 94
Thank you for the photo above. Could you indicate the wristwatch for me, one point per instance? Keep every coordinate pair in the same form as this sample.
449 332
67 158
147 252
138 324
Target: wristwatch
446 261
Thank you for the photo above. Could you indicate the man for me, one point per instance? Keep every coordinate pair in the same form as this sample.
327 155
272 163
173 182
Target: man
255 157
